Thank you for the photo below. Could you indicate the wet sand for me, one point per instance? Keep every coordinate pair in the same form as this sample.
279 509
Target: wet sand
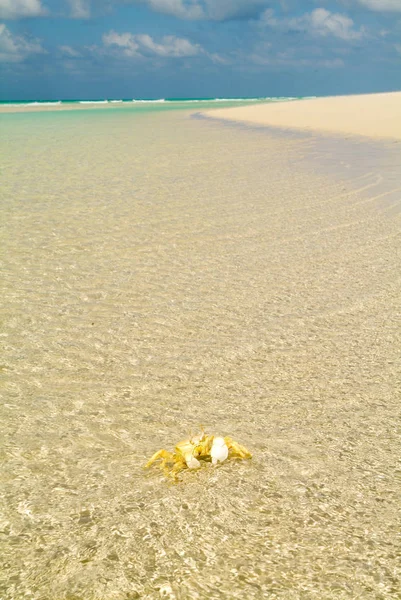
159 272
373 115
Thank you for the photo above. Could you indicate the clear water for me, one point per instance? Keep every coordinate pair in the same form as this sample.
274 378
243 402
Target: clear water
159 272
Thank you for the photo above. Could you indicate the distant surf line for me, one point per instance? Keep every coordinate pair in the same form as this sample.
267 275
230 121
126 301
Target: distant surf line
50 103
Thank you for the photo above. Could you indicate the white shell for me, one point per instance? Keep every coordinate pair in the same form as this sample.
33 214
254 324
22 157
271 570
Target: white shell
219 451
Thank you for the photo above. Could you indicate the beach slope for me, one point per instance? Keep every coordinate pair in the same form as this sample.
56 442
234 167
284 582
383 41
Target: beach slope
372 115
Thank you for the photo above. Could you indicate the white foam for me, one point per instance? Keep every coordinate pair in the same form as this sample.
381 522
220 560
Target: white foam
93 102
148 101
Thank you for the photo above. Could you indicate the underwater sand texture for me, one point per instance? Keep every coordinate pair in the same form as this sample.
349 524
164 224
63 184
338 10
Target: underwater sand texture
159 272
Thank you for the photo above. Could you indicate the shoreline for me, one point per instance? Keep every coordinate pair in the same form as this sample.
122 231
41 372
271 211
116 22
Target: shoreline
376 116
188 103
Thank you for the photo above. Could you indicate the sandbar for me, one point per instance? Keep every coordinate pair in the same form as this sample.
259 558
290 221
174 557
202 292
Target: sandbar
371 115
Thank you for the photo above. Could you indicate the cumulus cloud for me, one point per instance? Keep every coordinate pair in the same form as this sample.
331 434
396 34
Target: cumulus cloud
15 48
138 45
125 41
170 45
195 10
15 9
322 22
319 23
215 10
182 9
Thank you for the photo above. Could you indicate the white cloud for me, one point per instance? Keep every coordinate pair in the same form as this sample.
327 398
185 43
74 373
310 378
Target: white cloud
215 10
15 9
183 9
125 41
170 46
218 59
14 48
322 22
382 5
137 45
319 23
80 9
68 51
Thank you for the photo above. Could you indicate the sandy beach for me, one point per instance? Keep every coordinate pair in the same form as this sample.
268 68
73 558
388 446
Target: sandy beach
161 271
373 115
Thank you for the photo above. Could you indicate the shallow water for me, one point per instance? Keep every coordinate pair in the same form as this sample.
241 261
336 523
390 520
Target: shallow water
160 272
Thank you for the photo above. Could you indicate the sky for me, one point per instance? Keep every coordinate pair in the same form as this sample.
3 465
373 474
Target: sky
87 49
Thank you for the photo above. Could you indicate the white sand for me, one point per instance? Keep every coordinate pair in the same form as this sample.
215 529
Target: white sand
159 272
373 115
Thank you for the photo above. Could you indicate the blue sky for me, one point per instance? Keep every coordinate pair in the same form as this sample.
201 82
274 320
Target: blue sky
52 49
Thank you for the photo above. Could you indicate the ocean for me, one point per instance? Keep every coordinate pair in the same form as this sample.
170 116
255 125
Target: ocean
168 102
162 272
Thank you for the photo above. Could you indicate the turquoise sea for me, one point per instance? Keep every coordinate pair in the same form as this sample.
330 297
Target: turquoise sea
167 101
144 105
159 272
